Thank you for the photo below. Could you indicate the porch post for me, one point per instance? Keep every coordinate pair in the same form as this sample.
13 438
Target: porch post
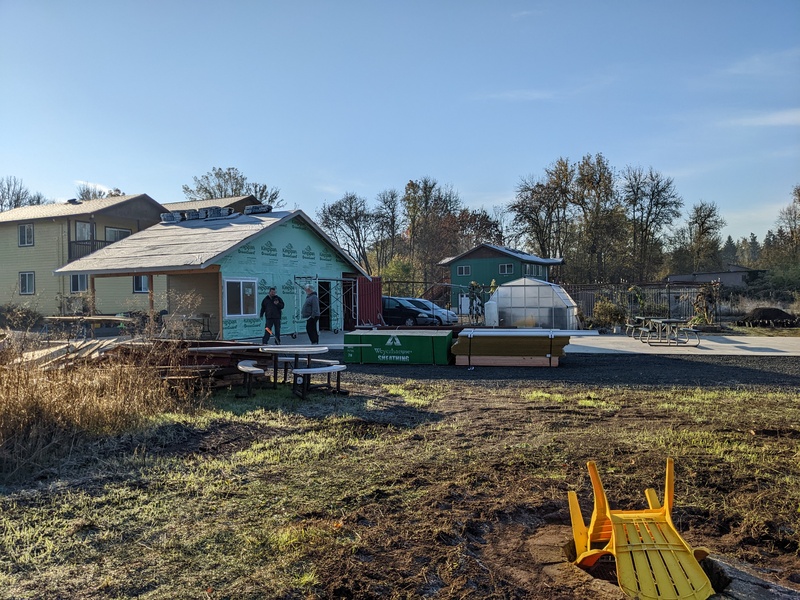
92 296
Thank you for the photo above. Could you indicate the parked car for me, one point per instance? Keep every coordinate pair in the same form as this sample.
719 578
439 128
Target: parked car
442 315
397 311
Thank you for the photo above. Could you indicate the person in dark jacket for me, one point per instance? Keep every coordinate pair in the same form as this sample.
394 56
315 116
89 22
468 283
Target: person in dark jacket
271 307
310 312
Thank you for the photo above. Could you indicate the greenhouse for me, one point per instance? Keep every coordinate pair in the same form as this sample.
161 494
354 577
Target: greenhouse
528 302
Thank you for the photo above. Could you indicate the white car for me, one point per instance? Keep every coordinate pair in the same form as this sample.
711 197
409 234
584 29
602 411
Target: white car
443 316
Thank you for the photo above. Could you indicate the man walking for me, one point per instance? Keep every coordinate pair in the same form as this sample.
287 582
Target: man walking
271 307
310 312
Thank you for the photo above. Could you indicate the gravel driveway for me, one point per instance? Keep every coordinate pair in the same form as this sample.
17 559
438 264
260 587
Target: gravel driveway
631 370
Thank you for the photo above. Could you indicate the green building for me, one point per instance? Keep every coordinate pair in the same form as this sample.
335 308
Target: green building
488 263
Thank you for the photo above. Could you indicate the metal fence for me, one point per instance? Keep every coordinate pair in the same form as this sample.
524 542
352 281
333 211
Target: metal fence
653 300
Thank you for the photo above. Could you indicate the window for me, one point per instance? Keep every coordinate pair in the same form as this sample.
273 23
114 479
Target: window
534 270
115 234
84 231
464 270
26 234
240 298
27 283
78 283
140 285
506 269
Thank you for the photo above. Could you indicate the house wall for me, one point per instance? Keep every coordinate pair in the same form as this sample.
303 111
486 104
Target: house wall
115 295
286 257
51 251
41 258
484 269
194 295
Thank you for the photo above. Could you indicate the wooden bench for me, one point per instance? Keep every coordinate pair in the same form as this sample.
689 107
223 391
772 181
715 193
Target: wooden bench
250 370
301 379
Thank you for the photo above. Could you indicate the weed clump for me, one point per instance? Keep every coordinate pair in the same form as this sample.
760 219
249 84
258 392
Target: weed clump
47 411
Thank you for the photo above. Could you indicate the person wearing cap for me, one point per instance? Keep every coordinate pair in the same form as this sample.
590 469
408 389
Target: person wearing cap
310 312
271 307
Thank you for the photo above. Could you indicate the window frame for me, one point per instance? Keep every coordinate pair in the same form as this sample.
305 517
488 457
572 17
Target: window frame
109 229
25 243
463 270
509 268
92 231
73 289
32 276
144 286
243 283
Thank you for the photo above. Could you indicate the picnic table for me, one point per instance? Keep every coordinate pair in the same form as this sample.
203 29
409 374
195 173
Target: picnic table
671 331
297 352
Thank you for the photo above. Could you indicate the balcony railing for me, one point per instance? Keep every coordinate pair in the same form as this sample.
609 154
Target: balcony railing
83 248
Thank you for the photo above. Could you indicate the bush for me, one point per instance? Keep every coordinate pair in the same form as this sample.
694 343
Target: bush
14 316
608 314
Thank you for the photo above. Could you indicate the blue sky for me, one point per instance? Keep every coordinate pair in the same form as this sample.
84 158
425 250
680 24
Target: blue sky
323 98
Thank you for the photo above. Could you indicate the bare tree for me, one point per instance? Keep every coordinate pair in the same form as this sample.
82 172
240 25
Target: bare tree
696 246
228 183
431 215
13 193
88 191
387 227
599 206
351 224
653 204
477 227
536 211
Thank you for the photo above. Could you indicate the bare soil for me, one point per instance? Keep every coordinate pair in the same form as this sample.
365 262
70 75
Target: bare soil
501 533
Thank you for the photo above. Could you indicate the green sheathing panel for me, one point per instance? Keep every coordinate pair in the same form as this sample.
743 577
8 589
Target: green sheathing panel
276 258
400 347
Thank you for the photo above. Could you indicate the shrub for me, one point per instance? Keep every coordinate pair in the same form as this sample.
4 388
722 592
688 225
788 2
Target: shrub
15 316
608 314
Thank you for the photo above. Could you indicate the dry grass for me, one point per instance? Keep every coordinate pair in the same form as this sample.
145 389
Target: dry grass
47 412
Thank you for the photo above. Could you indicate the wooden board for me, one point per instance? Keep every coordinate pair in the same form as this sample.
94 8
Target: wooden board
506 361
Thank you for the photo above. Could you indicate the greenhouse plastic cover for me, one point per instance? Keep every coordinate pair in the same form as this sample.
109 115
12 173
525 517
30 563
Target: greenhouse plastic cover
529 302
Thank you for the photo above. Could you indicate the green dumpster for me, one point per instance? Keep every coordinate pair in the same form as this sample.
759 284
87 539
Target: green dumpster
399 347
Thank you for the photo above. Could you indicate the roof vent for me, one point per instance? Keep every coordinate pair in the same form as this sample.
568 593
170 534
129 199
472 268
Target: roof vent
257 209
73 201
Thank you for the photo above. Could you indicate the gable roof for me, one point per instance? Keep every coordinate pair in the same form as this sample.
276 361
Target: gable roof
510 252
72 209
185 245
198 204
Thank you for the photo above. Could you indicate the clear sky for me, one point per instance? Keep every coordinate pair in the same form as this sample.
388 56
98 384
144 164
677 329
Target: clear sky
322 98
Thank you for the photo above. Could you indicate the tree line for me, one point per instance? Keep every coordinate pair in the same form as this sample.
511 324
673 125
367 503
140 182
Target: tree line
610 226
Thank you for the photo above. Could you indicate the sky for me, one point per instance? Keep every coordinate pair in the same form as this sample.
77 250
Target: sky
323 98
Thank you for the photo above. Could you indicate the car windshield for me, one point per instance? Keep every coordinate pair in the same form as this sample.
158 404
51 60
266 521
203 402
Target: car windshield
407 304
418 303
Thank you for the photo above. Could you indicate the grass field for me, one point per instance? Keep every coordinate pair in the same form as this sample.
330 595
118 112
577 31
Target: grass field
416 489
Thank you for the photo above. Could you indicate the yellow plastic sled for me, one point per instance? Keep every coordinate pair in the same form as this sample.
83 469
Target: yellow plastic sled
653 560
